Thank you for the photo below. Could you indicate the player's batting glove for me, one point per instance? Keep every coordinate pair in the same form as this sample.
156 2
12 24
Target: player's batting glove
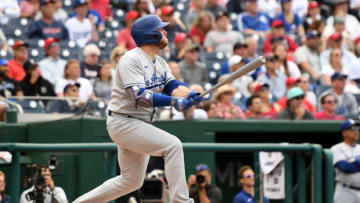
180 104
194 98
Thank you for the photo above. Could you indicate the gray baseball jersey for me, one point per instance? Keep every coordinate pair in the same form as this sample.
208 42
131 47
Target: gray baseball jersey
343 151
135 68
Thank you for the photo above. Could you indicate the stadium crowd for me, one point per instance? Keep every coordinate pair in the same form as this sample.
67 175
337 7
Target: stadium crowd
69 50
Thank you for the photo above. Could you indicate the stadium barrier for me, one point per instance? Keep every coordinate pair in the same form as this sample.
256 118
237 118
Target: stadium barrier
300 150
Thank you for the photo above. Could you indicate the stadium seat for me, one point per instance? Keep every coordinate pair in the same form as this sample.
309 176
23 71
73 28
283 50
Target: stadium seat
32 106
321 88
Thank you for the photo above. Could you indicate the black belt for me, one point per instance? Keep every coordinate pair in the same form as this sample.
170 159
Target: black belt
110 113
349 186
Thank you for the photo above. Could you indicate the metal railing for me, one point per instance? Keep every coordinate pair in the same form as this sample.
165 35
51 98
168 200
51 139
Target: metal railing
301 150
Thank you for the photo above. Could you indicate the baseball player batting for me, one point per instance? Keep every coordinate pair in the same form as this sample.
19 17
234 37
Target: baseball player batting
141 75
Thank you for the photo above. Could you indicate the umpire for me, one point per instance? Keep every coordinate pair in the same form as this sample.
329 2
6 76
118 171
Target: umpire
347 164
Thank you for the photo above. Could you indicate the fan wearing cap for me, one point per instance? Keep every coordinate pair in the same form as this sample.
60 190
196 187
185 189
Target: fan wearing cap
339 27
308 57
222 39
274 78
239 49
34 84
335 41
214 7
124 38
313 20
90 65
252 21
278 34
82 29
181 41
9 9
175 24
346 159
292 82
328 106
292 21
8 87
346 104
52 66
225 107
69 104
269 109
47 26
295 109
60 13
191 69
200 187
202 25
92 14
236 62
16 69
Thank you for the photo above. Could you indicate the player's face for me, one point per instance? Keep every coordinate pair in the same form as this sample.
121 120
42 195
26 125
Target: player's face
164 40
351 135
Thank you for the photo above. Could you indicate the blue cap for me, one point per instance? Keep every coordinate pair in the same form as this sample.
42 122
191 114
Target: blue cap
43 2
78 3
348 124
3 62
201 167
284 1
312 34
338 75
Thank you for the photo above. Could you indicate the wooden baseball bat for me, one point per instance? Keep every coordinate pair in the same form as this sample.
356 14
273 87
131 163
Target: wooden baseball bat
254 64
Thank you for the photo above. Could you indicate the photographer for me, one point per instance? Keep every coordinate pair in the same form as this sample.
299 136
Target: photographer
43 189
200 187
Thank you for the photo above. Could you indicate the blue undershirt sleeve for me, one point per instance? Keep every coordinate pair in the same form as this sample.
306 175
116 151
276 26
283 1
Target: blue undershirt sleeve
170 86
161 100
347 167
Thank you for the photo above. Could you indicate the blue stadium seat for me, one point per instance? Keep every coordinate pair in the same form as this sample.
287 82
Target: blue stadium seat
321 88
32 106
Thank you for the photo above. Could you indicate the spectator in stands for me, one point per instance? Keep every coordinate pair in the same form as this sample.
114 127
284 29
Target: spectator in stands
175 70
72 74
304 84
50 192
90 65
270 7
292 82
346 104
103 82
103 7
252 21
334 66
274 78
210 107
115 56
254 106
69 104
328 106
269 109
246 177
175 24
181 42
286 66
3 42
59 15
313 19
8 87
225 108
278 34
234 6
240 49
191 69
4 198
203 191
295 109
346 163
222 39
202 26
292 21
335 41
240 84
47 26
81 29
124 38
142 7
252 48
94 16
29 8
340 11
9 9
16 70
34 84
192 15
214 7
308 55
52 67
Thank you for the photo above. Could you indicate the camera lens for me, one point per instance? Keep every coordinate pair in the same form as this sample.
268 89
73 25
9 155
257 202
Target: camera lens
200 179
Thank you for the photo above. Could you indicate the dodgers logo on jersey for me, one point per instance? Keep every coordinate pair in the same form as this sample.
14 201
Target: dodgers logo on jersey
156 82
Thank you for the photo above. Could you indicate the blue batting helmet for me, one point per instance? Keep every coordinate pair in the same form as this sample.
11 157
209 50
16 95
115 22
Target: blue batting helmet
145 30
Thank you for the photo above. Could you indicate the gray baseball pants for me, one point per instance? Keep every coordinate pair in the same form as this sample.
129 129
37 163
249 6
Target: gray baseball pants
346 195
136 141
